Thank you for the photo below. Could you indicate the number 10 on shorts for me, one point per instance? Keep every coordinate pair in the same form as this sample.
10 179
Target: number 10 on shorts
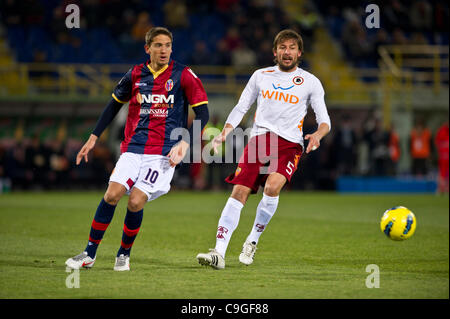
151 176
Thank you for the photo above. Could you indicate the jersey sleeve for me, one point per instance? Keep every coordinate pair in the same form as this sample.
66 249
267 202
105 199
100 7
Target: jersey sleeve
246 100
193 88
317 102
122 91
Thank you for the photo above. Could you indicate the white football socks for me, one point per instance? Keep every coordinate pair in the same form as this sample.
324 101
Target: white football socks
266 209
227 224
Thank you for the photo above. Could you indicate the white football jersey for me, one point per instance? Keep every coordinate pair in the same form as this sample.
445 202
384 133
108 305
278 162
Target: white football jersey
282 102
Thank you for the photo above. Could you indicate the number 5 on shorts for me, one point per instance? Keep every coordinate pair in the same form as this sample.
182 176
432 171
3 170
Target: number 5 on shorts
290 168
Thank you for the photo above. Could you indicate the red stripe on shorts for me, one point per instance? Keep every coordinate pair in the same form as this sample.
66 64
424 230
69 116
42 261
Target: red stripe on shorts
130 182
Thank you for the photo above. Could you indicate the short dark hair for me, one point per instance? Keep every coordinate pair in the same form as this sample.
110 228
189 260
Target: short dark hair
288 34
155 31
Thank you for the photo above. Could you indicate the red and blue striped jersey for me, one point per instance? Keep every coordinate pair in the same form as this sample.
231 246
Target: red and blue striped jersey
158 103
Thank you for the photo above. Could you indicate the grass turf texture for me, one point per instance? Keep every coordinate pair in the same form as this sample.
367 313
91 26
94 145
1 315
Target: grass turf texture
317 246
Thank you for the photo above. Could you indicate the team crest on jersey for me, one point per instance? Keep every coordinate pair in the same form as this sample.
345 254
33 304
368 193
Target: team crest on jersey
238 170
298 80
169 85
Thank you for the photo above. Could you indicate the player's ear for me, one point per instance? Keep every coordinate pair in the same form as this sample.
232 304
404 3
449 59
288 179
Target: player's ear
147 49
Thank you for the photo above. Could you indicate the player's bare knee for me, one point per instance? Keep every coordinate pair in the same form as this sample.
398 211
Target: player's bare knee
272 189
240 193
114 193
137 201
274 184
135 204
112 197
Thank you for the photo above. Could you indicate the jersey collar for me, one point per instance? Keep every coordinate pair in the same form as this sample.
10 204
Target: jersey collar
157 73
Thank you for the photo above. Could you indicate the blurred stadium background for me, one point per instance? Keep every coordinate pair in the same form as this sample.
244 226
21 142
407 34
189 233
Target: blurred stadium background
380 83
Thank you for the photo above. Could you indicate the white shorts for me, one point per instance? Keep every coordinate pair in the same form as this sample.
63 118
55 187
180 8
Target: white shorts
152 174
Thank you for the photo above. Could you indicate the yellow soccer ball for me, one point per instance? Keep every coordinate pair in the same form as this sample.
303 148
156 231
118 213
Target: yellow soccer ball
398 223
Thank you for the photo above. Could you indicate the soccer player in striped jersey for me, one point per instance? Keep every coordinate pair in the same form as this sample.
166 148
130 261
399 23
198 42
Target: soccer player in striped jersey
159 93
283 93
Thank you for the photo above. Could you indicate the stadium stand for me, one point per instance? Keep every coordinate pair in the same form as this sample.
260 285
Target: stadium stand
55 81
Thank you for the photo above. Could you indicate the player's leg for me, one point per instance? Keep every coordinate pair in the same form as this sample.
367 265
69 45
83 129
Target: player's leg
228 222
131 226
264 212
100 222
153 181
103 216
246 180
229 219
267 206
281 169
120 182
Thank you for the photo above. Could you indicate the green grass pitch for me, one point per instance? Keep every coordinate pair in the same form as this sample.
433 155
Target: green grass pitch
317 246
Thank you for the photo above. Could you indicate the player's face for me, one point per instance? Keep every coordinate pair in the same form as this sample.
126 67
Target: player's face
287 55
159 50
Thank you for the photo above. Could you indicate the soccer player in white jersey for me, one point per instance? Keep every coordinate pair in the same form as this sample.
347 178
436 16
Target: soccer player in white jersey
283 93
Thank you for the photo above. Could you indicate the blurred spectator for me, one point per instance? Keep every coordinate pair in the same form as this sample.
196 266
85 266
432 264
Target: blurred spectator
142 25
201 55
242 56
93 13
37 162
264 54
394 151
421 15
59 165
355 41
345 145
420 148
398 37
377 140
16 168
418 38
441 141
232 38
381 38
225 5
308 21
33 12
440 17
395 15
222 55
176 14
11 12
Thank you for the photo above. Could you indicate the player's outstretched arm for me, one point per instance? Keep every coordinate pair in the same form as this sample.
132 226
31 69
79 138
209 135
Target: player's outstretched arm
105 119
87 147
